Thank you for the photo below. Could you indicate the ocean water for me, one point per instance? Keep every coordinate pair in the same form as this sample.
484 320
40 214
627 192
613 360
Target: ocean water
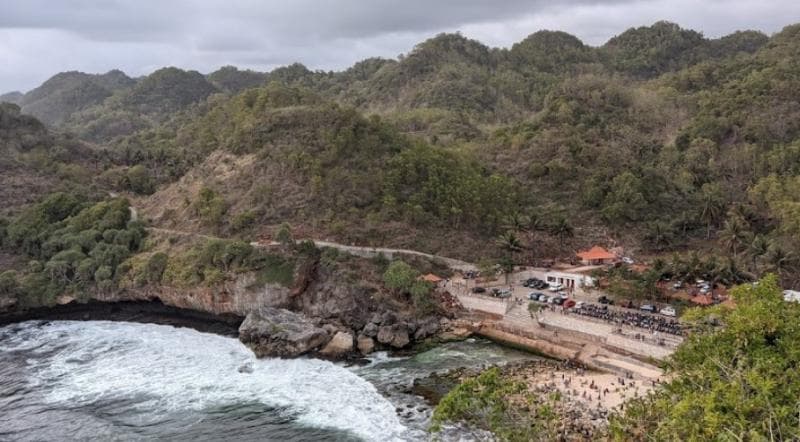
99 380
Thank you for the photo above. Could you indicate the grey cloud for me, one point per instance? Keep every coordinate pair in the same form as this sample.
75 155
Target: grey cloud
41 37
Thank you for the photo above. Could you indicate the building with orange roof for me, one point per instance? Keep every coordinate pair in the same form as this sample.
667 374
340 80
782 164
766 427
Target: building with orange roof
596 256
702 300
433 279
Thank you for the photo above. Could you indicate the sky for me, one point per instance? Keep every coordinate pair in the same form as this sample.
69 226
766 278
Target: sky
39 38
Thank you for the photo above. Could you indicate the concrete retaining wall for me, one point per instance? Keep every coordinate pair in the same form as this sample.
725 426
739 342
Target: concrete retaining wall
484 304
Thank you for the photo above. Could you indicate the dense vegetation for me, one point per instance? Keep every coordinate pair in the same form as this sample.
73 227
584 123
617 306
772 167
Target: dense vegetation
72 246
661 139
733 379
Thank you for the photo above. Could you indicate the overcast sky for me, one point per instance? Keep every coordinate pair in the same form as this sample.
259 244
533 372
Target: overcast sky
39 38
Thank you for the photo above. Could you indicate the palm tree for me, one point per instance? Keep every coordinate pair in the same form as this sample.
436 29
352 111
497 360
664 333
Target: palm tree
562 229
729 272
779 260
536 222
713 205
516 222
735 234
658 234
510 242
757 249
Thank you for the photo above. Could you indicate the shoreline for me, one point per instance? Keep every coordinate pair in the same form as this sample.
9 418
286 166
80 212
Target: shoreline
148 312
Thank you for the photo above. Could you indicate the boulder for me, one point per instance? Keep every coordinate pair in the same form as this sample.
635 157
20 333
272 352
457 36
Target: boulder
274 332
340 345
426 328
365 344
371 330
388 318
394 335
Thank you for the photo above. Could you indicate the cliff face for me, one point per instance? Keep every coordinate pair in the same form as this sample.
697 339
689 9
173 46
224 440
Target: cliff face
281 321
237 297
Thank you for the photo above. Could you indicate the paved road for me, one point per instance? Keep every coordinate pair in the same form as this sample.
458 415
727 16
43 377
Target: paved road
371 252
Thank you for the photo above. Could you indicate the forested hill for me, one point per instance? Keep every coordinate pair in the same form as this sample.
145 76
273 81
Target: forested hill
659 140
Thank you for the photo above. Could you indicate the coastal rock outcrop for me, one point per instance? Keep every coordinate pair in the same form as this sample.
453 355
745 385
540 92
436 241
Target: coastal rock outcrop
340 345
273 332
366 345
394 335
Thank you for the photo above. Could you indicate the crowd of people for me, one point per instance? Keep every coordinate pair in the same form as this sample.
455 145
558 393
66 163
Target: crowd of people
635 319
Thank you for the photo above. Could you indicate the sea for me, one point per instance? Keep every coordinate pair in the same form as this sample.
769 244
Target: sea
119 381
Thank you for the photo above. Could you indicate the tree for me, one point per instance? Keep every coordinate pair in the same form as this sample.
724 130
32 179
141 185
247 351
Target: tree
757 249
562 229
712 200
138 180
510 243
487 268
284 235
210 207
735 234
779 260
400 276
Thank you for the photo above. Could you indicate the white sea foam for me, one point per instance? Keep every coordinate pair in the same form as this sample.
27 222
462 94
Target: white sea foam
178 369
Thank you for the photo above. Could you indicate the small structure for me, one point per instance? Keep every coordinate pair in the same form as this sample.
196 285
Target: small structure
569 280
703 300
596 256
433 279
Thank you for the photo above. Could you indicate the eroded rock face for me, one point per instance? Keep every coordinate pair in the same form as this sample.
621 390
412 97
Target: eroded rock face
273 332
340 345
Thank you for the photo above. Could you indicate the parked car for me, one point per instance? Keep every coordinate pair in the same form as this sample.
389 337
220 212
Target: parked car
677 285
544 298
668 311
478 290
556 287
569 303
579 304
504 294
648 308
627 260
534 296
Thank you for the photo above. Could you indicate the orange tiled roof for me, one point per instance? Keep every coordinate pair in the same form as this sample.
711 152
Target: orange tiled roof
430 277
596 252
702 300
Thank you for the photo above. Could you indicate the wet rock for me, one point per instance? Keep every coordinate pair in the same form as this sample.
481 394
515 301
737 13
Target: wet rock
395 335
340 345
366 344
273 332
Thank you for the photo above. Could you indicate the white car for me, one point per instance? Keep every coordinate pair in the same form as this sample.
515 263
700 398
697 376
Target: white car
556 287
627 260
677 285
668 311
